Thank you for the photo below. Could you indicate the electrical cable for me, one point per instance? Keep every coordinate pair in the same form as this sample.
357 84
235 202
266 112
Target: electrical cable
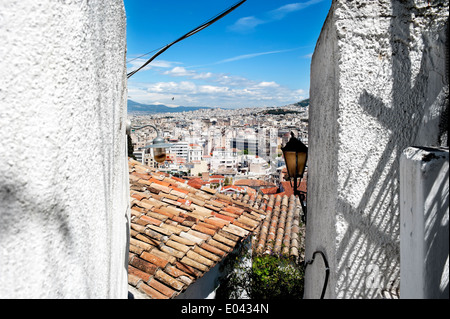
144 54
327 270
190 33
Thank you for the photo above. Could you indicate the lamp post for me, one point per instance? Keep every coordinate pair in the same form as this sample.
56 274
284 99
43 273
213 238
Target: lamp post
158 144
295 155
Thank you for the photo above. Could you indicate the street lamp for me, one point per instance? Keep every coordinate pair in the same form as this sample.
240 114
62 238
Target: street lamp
158 144
295 155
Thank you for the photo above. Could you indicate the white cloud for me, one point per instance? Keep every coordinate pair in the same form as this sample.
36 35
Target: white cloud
249 56
179 71
134 64
203 76
232 80
188 93
183 72
212 89
238 58
248 24
281 12
269 84
163 63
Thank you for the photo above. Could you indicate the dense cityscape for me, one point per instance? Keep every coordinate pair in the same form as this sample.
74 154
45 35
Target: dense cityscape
228 149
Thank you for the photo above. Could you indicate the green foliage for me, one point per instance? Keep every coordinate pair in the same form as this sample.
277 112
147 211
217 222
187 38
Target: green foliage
270 277
130 147
276 278
302 103
281 112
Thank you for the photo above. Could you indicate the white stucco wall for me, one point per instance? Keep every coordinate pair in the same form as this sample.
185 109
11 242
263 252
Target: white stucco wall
63 170
378 85
424 219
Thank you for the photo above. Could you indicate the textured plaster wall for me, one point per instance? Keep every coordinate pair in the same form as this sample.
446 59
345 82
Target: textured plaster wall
424 219
63 170
378 86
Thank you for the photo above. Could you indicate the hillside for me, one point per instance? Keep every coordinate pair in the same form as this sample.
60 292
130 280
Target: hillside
302 103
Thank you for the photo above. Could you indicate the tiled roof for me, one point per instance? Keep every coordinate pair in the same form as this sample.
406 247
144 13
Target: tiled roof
287 187
232 188
179 232
289 190
197 183
252 183
281 233
270 190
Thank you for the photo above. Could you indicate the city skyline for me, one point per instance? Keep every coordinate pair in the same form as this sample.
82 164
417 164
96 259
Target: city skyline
258 55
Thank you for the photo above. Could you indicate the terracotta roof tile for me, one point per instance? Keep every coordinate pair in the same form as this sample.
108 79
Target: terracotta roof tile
181 229
215 250
178 274
205 230
151 292
224 217
169 280
188 269
279 232
219 245
269 190
179 179
195 264
143 265
155 260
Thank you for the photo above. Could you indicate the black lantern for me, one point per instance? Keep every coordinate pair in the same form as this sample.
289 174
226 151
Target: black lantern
295 155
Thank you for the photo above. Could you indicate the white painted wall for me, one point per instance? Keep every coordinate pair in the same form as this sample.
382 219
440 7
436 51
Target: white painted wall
63 171
378 86
424 218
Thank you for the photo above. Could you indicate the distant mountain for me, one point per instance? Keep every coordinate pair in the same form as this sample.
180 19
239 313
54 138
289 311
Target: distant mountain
135 107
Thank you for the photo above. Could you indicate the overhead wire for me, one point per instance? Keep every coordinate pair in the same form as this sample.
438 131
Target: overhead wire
138 57
190 33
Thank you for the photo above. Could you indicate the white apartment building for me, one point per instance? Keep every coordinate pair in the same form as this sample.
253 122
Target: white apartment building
139 155
258 166
223 159
180 149
195 153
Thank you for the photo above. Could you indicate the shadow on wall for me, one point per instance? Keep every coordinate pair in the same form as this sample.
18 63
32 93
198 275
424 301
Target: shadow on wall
410 100
437 236
50 225
29 255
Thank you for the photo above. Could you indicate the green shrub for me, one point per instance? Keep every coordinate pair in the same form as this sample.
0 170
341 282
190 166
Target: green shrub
270 277
276 278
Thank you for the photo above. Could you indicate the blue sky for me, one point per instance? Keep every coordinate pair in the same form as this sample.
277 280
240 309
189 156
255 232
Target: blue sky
258 55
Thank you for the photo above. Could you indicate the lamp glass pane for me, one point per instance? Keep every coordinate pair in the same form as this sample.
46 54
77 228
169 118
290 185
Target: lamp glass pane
289 157
301 163
159 154
295 169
